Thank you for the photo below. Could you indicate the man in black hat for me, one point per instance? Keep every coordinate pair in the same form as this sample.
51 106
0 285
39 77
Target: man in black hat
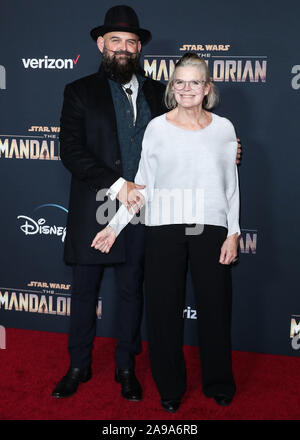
103 120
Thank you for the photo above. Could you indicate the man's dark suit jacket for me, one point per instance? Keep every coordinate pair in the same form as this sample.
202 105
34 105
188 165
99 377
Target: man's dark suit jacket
90 150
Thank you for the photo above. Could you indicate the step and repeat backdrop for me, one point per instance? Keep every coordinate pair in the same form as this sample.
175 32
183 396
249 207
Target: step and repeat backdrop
253 52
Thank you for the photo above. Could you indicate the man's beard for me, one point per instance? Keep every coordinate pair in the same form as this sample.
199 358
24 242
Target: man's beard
120 72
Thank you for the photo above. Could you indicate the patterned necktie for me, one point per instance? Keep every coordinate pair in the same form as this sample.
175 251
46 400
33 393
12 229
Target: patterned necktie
129 93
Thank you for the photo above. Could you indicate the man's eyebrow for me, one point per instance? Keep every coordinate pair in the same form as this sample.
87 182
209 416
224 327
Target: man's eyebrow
128 39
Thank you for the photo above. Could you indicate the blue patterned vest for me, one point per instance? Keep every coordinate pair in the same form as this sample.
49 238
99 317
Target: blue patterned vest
130 136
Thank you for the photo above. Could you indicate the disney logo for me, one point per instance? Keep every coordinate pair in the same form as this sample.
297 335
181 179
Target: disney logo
31 227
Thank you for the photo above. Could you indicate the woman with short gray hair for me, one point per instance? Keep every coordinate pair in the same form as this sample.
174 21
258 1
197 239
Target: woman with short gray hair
210 100
188 165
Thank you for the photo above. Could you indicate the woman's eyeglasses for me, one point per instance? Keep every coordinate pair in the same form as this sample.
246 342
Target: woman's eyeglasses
179 84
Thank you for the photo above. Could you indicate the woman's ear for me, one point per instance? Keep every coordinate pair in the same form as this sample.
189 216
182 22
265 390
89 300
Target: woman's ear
207 89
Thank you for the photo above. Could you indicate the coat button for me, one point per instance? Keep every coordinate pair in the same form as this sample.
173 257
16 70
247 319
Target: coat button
117 162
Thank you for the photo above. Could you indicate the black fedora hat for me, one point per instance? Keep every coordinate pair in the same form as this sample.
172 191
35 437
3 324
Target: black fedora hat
121 18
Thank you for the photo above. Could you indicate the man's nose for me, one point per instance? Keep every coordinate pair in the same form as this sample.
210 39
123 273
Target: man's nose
123 45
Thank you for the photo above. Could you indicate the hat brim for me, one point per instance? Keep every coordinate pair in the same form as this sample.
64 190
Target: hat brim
144 35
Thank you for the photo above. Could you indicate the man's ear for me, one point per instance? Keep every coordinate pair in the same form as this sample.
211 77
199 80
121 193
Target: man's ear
139 46
100 43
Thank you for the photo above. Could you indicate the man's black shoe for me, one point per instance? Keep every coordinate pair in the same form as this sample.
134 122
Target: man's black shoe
222 400
170 405
69 383
131 388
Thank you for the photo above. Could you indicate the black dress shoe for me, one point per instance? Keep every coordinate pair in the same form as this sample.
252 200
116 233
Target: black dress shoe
131 388
170 405
69 383
222 400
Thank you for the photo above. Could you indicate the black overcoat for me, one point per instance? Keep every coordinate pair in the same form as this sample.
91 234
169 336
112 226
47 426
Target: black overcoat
90 150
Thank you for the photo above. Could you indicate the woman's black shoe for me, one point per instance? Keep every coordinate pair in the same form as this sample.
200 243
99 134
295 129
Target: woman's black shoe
222 400
170 405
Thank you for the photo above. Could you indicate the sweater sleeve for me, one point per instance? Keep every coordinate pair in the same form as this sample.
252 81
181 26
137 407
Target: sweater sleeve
232 193
122 217
145 176
234 207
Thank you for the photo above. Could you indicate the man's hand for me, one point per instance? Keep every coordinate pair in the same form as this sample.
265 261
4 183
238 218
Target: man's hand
131 197
239 152
229 248
104 240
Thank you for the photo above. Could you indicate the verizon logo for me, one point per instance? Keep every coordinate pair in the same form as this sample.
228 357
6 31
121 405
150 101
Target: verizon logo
49 63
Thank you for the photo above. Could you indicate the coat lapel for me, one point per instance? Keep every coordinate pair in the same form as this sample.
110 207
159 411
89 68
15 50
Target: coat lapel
102 104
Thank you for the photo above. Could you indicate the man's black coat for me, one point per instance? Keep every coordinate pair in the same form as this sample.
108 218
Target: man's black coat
90 150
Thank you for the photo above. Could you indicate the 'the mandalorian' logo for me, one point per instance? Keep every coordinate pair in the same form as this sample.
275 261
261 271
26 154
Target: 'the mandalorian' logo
41 144
248 241
223 67
2 338
40 300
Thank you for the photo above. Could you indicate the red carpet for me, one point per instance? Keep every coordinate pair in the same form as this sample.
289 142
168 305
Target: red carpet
267 385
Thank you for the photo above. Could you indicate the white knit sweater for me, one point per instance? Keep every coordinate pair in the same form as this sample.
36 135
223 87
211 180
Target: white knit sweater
190 176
